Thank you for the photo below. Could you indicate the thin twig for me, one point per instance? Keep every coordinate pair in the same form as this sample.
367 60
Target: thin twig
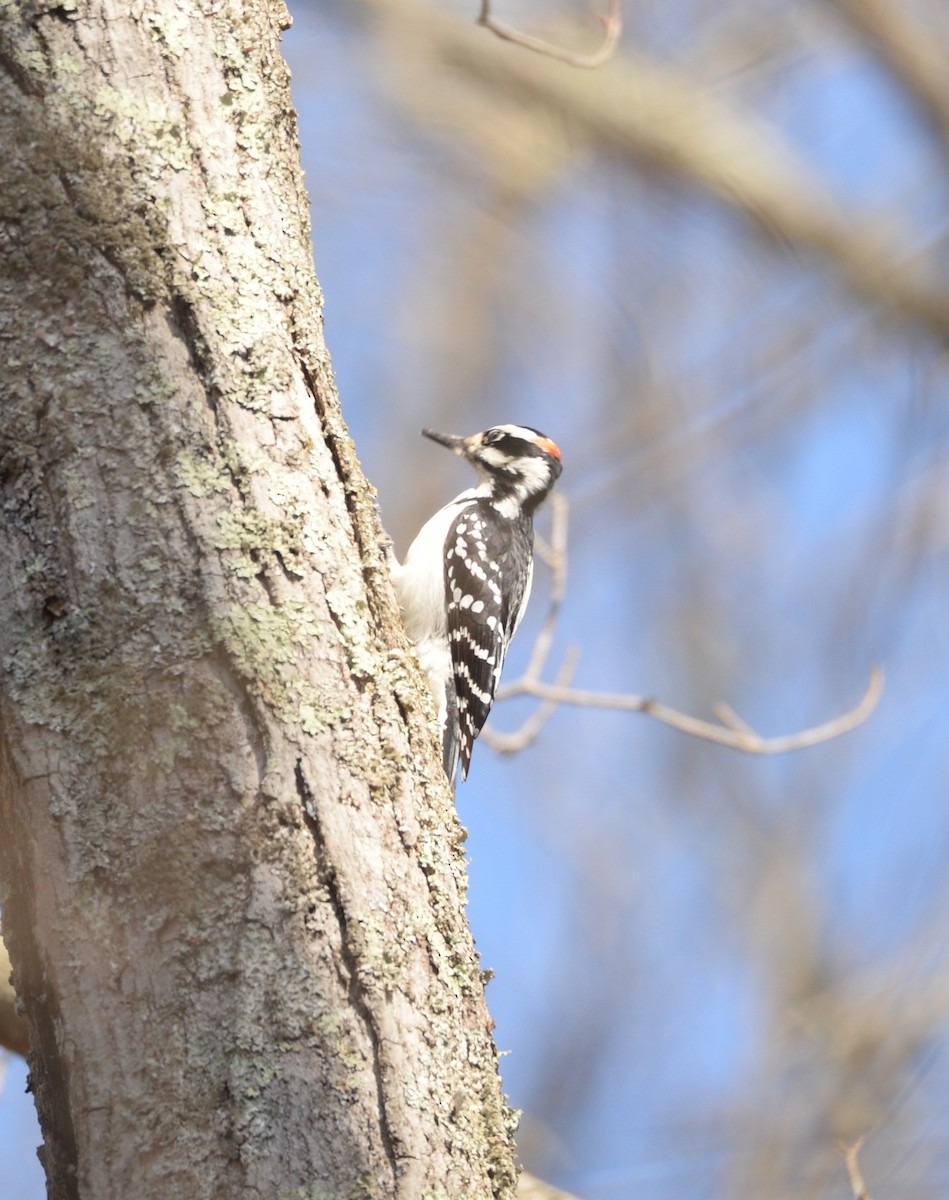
728 717
913 54
511 743
740 738
612 22
729 729
531 1188
555 555
850 1156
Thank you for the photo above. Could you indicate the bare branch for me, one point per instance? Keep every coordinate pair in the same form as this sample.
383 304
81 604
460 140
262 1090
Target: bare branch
612 22
555 556
912 54
729 729
511 743
850 1156
531 1188
728 717
736 734
647 113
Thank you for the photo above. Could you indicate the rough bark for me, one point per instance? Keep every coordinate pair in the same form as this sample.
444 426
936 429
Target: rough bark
232 878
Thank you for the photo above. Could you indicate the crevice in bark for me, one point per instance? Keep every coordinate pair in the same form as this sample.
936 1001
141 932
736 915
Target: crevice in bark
24 81
185 324
360 1005
236 685
341 472
350 494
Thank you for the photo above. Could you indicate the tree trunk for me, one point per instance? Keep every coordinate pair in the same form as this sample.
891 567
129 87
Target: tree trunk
232 879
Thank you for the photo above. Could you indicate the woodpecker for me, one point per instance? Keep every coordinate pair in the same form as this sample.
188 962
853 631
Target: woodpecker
466 578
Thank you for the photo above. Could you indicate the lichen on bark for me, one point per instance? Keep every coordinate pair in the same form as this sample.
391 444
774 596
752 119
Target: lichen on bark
231 874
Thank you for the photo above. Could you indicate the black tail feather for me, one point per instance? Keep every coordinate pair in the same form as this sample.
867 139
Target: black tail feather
450 738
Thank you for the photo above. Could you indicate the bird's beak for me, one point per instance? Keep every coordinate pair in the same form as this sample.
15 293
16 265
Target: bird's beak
451 440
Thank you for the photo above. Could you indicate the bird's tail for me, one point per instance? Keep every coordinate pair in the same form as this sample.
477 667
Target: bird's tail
451 740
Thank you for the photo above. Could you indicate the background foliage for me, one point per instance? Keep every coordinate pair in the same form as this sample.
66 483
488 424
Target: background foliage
731 314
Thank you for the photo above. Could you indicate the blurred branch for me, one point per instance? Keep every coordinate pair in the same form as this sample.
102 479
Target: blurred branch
613 23
914 56
14 1032
737 734
650 114
511 743
531 1188
554 555
850 1156
729 729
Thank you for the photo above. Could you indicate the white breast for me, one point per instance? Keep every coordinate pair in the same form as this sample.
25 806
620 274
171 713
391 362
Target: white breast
420 587
420 580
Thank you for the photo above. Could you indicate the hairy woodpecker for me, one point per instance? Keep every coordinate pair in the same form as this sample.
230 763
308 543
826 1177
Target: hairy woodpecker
466 579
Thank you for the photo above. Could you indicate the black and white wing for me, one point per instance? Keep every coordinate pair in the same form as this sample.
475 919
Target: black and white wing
488 566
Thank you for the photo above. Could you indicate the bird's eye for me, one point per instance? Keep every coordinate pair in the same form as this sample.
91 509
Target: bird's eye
492 436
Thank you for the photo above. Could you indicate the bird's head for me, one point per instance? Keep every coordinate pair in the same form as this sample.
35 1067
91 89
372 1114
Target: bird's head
516 464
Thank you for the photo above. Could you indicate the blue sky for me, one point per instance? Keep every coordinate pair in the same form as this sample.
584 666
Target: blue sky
751 457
